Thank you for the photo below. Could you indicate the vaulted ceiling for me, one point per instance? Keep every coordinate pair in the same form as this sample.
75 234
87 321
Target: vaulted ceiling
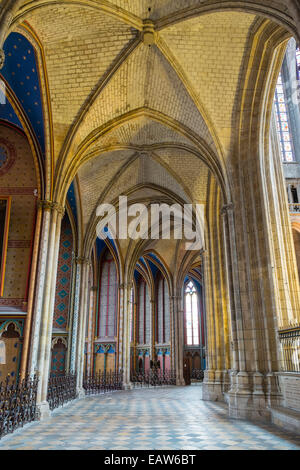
135 89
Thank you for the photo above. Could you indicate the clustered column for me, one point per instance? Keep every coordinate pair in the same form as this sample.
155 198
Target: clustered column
178 337
39 361
83 309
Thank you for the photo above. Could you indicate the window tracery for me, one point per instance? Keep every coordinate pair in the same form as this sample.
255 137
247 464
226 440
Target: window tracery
191 315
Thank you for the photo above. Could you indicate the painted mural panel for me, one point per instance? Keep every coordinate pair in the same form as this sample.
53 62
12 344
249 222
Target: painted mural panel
17 181
64 276
10 348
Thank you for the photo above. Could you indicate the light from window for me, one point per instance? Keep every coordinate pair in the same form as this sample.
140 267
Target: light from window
191 315
298 62
282 123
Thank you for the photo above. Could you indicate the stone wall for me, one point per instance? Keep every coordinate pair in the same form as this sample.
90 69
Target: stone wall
290 387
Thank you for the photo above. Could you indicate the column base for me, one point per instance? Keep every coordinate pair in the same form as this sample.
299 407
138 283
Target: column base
80 392
213 386
248 406
250 395
127 386
43 410
274 393
246 399
180 382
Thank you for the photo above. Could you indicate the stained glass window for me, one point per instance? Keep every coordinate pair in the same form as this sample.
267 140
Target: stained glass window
143 323
108 297
282 123
191 315
162 311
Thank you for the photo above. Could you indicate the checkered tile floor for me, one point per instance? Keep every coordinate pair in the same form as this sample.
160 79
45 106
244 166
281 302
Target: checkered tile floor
171 418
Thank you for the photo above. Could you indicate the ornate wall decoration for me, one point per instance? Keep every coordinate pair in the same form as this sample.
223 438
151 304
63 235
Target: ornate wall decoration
18 180
11 332
105 355
63 281
58 357
107 322
7 155
18 325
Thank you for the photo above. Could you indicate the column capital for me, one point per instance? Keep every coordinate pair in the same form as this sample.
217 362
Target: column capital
48 205
123 285
226 208
44 204
81 260
59 208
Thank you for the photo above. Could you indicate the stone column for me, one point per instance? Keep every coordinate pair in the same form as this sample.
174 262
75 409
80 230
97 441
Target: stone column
122 326
209 392
230 284
75 315
40 283
58 215
216 380
124 334
44 301
33 276
134 336
179 340
79 363
152 330
172 333
93 295
71 311
240 391
264 294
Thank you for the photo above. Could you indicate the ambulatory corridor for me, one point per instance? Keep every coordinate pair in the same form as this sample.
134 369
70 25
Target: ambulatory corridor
155 418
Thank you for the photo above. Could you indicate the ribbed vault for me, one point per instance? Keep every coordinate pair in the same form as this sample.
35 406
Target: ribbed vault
99 70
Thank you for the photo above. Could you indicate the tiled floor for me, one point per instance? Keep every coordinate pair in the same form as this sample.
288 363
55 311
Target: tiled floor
169 418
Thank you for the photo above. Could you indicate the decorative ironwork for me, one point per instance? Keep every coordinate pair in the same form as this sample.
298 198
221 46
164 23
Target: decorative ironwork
197 374
61 389
103 382
17 403
290 350
153 378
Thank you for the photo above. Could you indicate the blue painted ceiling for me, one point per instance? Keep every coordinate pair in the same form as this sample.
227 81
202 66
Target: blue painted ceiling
100 244
155 258
153 268
21 73
72 200
137 276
